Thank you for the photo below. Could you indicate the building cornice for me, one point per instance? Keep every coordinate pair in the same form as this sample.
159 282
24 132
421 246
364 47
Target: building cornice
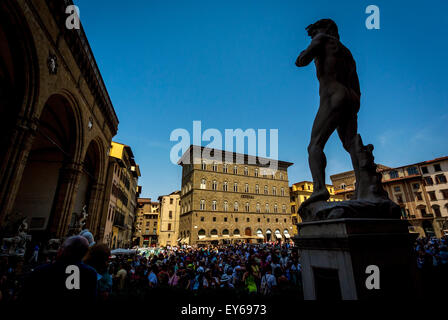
234 156
82 52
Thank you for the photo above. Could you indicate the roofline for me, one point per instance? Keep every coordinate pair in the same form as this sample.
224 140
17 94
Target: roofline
418 163
233 155
353 171
307 181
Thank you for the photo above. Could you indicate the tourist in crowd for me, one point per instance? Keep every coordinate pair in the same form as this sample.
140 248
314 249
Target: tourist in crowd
121 277
249 279
152 277
268 281
97 257
49 282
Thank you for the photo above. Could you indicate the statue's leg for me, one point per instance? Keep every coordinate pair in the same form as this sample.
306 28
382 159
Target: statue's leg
324 125
347 131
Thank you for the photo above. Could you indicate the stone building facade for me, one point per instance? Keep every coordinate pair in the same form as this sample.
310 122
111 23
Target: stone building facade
227 197
420 189
147 223
56 120
120 200
344 183
301 191
169 219
434 174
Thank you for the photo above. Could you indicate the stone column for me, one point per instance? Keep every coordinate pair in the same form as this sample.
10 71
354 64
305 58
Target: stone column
69 178
95 208
15 160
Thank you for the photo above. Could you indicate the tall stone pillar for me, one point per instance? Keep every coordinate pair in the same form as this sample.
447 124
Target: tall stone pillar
69 178
14 162
95 208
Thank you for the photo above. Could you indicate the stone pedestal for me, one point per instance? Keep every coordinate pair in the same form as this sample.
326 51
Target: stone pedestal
335 254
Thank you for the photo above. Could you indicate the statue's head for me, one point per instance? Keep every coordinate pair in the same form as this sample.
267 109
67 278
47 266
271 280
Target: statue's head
88 235
326 26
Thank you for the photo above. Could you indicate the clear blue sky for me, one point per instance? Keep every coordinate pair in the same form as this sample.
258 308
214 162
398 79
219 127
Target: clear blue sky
230 64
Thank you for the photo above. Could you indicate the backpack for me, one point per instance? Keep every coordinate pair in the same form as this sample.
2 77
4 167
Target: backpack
265 286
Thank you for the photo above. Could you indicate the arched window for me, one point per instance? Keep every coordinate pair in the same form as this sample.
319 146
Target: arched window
225 186
235 169
266 208
224 168
202 205
215 185
214 232
274 191
258 208
266 190
204 165
226 206
214 205
282 192
246 187
215 166
284 208
256 172
257 189
246 171
235 206
236 232
225 232
278 234
235 187
247 206
203 184
275 208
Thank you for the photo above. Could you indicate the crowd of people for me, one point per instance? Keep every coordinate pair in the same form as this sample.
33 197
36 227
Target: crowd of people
263 269
242 269
432 261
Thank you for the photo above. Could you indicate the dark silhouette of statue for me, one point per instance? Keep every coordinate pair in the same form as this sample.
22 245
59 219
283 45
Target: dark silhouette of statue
339 105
